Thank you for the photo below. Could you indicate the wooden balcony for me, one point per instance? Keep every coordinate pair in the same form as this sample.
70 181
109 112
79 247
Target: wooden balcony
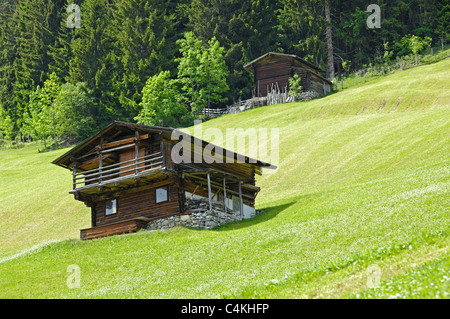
126 172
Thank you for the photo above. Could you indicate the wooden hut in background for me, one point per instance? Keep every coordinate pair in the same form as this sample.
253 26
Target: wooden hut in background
273 70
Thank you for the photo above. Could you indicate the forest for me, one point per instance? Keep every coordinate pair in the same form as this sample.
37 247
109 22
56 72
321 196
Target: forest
70 67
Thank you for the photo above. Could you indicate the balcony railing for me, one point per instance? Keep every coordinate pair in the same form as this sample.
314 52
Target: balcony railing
118 171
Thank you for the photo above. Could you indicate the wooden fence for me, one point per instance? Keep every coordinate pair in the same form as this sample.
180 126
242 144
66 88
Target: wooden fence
275 95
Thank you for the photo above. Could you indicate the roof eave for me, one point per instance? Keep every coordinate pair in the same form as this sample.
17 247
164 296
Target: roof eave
66 156
293 56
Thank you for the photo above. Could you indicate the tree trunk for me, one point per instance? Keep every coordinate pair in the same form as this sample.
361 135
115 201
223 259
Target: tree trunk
328 35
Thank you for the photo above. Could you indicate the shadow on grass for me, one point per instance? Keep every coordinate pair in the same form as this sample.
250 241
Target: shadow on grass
266 214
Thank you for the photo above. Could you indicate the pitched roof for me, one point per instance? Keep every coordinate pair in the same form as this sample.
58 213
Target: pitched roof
291 56
118 127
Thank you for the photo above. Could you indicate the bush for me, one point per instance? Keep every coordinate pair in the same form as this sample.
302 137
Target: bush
161 103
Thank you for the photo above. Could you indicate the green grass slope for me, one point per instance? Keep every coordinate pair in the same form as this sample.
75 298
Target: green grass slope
363 180
35 205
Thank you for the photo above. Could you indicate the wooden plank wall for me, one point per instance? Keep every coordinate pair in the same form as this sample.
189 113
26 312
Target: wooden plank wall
129 226
153 144
271 71
128 155
141 204
305 76
280 69
317 84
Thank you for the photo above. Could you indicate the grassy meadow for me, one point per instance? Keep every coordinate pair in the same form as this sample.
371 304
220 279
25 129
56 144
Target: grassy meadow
363 181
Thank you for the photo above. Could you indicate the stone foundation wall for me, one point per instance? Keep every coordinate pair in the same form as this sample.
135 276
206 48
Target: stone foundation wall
197 215
308 95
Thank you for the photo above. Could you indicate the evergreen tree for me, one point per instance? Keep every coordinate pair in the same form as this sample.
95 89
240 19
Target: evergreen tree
312 24
443 21
36 27
8 53
61 50
91 61
144 36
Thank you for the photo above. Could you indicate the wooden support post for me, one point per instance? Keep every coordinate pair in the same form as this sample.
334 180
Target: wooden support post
216 193
192 196
209 192
93 216
74 171
224 195
240 200
136 150
74 174
100 161
163 150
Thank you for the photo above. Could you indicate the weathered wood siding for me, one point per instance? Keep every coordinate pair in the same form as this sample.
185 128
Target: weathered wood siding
273 70
278 69
140 204
129 226
128 155
305 75
317 84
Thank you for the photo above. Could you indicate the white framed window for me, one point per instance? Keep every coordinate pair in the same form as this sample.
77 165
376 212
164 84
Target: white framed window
111 207
161 194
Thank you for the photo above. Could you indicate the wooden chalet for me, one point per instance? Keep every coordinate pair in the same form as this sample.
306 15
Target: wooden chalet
126 175
273 70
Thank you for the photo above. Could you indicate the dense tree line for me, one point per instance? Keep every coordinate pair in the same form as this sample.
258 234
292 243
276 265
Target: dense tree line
160 61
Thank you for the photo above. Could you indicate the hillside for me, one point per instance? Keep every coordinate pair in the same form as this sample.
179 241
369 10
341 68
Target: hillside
363 180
